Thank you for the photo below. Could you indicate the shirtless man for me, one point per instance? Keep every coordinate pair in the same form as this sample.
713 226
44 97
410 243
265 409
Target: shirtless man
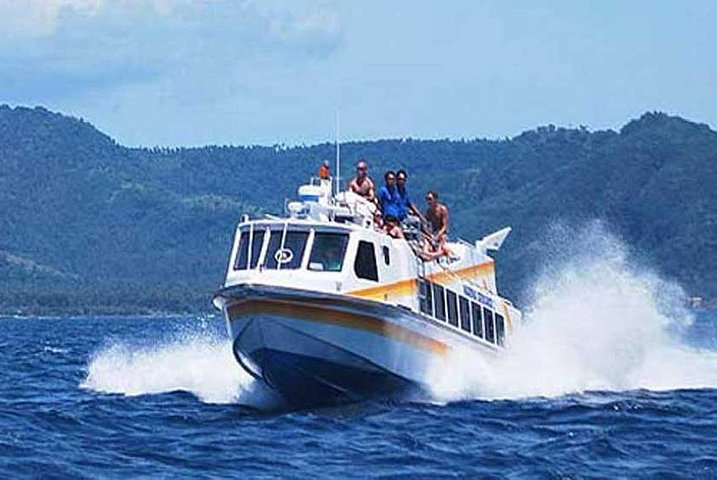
361 184
437 216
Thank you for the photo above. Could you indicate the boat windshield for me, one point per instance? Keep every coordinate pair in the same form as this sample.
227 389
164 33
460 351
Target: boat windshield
286 257
279 249
284 250
328 251
250 244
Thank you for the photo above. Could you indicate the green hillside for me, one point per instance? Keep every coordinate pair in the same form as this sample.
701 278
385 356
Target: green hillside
89 225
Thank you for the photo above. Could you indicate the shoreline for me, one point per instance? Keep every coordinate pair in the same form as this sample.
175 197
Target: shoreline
26 311
100 311
105 301
156 315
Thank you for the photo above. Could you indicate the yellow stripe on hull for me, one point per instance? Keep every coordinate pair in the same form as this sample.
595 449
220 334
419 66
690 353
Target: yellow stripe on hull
409 287
341 318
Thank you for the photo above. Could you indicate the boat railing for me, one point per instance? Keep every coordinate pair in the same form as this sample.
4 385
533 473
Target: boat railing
316 181
460 278
465 243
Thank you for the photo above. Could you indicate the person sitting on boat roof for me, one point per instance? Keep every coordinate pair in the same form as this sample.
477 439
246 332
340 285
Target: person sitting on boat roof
389 201
378 220
437 216
325 170
362 184
405 205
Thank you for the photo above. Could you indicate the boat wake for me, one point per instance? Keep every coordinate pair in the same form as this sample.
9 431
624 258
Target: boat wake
596 322
200 363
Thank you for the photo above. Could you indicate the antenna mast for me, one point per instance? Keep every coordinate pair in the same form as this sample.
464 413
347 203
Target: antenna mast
338 155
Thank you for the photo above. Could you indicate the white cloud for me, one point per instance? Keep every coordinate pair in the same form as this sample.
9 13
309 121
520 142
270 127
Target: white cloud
298 21
69 46
282 20
32 18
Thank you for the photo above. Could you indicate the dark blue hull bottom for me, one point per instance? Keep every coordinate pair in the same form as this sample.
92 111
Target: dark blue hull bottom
306 381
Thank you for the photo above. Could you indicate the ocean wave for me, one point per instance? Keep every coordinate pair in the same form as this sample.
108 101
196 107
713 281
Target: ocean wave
200 363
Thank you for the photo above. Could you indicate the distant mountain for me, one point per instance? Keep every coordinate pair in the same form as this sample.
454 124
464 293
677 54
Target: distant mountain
87 224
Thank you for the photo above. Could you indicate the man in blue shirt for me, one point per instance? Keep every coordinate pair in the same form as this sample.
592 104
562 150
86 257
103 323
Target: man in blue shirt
389 200
405 205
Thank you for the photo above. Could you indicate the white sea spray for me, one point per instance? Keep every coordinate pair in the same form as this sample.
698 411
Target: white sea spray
596 322
200 363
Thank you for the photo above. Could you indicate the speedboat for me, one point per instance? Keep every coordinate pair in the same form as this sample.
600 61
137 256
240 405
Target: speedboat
324 308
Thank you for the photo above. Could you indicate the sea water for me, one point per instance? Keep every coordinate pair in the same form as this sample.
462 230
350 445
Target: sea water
611 377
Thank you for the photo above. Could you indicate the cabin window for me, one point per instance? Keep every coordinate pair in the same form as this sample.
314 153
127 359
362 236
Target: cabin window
465 311
274 245
477 320
452 301
499 329
439 302
488 325
249 249
425 294
286 257
386 255
257 242
328 251
365 263
242 252
294 245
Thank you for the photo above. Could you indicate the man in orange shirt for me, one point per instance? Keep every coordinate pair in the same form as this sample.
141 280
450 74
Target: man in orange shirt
324 170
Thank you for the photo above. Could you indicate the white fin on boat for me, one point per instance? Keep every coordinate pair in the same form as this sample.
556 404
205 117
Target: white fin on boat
494 240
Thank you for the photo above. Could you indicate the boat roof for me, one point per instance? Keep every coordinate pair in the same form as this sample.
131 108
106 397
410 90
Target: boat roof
303 222
345 211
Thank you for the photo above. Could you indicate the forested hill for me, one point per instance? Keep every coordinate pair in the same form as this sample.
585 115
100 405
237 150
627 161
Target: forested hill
87 224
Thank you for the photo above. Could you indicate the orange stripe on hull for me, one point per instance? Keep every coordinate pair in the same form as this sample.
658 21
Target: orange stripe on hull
383 292
336 317
405 288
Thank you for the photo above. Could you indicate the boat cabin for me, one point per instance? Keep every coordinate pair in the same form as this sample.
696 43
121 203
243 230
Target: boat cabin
329 245
335 258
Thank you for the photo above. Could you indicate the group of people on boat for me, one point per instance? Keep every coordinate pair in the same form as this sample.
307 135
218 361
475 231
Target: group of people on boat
395 210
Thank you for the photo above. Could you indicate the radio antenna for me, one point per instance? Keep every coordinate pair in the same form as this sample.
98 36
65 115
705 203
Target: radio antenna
338 155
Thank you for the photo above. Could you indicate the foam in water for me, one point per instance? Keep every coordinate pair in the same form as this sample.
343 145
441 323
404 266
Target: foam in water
595 323
199 363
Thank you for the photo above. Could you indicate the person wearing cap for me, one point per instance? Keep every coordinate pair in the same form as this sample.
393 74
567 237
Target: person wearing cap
389 200
325 170
362 184
405 205
378 223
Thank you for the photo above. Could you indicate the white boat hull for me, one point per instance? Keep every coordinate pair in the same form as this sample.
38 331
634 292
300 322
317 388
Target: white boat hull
317 348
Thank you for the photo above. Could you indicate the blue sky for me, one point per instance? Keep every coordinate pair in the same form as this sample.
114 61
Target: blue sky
192 72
